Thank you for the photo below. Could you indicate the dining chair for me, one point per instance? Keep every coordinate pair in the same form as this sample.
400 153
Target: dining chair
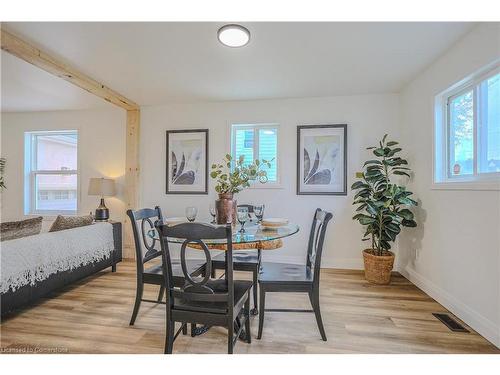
245 260
146 250
283 277
203 300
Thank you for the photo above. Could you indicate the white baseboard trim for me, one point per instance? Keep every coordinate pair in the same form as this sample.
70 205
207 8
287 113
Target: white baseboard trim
475 320
344 263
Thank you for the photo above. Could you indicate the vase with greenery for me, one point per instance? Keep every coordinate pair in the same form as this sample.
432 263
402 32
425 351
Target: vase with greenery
2 170
382 207
232 176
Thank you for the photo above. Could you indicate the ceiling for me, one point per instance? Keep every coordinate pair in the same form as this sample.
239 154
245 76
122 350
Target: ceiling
157 63
28 88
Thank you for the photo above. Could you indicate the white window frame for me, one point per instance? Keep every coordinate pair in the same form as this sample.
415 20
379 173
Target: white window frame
31 173
256 127
442 178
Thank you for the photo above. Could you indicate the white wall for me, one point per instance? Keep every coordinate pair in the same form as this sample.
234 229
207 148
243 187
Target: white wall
101 152
368 118
454 255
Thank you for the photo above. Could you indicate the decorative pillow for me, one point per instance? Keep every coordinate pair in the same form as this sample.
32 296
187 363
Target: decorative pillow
68 222
19 229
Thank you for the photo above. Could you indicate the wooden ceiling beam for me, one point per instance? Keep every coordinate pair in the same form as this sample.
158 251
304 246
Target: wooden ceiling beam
25 51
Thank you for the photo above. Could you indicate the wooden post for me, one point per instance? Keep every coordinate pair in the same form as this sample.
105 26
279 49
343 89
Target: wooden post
131 176
41 59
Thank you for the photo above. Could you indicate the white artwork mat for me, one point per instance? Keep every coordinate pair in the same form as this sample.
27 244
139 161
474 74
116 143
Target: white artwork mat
187 162
321 160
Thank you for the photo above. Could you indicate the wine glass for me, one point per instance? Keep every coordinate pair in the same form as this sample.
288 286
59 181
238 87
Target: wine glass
242 215
212 212
258 211
191 213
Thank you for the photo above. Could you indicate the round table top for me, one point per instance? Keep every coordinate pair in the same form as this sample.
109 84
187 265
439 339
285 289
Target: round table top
254 233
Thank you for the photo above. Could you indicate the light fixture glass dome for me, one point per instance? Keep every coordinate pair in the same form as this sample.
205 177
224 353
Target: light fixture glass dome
233 35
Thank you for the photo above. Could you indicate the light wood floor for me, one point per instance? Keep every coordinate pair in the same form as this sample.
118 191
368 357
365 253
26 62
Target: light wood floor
92 317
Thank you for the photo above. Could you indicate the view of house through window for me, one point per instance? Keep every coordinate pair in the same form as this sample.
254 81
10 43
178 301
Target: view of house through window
52 174
473 129
257 142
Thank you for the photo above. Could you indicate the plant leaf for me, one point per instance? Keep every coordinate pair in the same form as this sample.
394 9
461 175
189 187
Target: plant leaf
185 178
314 167
322 177
401 173
406 214
409 223
307 163
174 165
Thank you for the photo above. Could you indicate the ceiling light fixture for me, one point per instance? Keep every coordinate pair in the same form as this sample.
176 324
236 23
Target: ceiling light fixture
233 35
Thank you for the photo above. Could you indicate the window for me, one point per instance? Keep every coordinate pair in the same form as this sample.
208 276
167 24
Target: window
257 142
51 172
468 131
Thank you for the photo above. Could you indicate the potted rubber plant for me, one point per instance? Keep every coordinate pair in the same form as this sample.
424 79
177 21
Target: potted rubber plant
382 208
231 177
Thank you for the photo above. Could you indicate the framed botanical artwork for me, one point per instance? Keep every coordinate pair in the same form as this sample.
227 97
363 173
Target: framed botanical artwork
187 161
322 159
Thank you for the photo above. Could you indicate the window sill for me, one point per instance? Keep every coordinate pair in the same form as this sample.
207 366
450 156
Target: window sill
266 186
467 185
50 215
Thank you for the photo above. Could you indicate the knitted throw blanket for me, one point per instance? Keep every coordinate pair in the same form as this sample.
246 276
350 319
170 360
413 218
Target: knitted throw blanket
28 260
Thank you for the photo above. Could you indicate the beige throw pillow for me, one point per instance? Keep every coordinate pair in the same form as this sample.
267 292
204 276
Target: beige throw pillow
68 222
18 229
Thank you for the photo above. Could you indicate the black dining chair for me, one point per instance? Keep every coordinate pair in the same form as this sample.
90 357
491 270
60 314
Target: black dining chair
245 260
203 300
146 250
283 277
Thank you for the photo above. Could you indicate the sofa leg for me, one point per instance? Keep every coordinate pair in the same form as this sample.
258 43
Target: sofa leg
113 267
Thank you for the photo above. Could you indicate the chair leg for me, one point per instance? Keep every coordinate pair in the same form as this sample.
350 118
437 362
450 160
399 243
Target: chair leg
169 335
184 328
160 294
262 305
193 329
230 335
248 333
314 298
255 287
137 304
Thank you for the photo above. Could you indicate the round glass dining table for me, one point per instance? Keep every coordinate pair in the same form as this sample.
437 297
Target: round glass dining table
254 234
253 237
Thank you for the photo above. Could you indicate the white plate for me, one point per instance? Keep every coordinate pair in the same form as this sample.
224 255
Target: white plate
174 220
274 222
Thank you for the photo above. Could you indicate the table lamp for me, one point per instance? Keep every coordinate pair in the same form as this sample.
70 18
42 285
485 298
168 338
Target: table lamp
103 187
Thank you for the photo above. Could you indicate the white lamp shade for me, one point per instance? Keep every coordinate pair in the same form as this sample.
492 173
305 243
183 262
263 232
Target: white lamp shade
104 187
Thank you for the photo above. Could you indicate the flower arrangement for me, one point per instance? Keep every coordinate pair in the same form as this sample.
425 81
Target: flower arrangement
234 175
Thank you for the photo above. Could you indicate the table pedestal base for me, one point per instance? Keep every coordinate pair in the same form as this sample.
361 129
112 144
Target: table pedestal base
198 331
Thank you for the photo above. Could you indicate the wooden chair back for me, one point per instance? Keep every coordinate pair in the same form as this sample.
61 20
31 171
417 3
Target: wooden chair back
197 289
316 240
146 247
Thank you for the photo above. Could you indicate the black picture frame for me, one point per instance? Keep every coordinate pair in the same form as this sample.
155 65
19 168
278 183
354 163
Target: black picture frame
301 128
168 189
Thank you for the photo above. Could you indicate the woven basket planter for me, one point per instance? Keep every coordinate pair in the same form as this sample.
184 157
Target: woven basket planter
378 267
